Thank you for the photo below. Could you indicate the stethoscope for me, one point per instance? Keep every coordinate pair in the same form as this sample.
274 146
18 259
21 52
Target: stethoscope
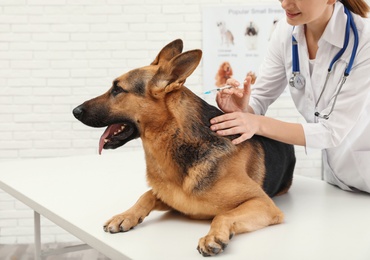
298 81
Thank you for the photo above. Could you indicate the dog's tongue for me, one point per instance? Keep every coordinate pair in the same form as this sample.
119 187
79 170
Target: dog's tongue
108 132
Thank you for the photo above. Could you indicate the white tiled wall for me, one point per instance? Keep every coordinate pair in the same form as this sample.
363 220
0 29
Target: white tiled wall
54 54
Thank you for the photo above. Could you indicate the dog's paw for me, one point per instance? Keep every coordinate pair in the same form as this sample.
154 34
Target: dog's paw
212 245
121 223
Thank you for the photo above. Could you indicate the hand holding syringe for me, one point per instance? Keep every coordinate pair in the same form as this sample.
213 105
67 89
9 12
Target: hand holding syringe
249 80
217 89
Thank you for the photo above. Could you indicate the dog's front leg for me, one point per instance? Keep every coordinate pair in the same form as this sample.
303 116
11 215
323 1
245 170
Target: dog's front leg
253 214
135 215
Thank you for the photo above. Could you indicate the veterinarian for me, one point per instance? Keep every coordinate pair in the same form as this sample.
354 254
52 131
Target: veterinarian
309 42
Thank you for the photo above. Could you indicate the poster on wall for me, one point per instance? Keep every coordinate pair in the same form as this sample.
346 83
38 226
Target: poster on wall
235 40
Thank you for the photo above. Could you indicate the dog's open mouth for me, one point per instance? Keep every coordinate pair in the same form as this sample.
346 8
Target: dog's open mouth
117 135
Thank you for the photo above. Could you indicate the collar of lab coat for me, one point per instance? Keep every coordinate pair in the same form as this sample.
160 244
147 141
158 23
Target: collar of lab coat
334 31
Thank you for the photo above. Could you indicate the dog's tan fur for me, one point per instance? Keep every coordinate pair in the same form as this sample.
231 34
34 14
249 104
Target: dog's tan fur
189 168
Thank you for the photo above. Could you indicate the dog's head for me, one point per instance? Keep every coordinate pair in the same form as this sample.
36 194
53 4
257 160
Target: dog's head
251 30
136 97
221 24
225 68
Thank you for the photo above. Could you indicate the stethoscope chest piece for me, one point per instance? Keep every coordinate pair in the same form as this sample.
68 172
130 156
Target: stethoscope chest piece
297 81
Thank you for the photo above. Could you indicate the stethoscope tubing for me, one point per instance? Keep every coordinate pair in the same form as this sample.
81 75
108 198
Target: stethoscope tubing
295 61
355 44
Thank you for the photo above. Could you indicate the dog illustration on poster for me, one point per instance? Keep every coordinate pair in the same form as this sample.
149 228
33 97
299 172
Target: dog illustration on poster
251 36
253 76
223 74
227 38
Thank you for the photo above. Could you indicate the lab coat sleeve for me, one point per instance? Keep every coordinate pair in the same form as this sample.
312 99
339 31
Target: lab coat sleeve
271 79
351 104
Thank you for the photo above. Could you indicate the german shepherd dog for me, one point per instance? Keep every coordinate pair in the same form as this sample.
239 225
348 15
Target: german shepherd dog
190 168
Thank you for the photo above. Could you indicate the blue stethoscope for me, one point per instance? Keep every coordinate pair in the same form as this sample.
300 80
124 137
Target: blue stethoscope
298 81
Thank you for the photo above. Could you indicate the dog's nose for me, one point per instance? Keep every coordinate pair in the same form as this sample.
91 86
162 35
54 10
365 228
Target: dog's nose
78 112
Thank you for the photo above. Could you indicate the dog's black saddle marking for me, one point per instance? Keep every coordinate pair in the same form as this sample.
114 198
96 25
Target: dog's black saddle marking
279 163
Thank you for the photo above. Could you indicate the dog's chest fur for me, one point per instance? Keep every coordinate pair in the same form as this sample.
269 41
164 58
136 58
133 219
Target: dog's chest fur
190 167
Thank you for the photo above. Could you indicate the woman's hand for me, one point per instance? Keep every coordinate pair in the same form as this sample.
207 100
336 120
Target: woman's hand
234 102
243 123
234 99
240 119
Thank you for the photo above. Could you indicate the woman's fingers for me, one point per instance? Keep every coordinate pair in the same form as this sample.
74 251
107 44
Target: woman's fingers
228 124
241 139
231 91
232 82
225 124
233 124
247 85
222 118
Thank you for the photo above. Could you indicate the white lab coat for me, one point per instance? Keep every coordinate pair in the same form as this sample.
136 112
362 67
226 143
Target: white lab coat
345 136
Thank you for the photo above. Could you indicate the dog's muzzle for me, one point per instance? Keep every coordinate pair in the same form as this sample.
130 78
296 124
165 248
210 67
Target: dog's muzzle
119 130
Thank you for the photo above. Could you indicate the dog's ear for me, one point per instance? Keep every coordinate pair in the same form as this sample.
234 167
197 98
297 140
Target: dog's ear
168 52
172 75
181 67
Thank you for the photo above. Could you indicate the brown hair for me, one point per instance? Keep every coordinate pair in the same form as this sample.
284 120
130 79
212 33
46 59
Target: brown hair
359 7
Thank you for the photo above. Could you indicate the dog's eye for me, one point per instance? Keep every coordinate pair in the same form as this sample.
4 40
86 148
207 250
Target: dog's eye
116 90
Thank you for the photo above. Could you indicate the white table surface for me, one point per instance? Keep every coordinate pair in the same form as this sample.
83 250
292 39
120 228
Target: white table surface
80 193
